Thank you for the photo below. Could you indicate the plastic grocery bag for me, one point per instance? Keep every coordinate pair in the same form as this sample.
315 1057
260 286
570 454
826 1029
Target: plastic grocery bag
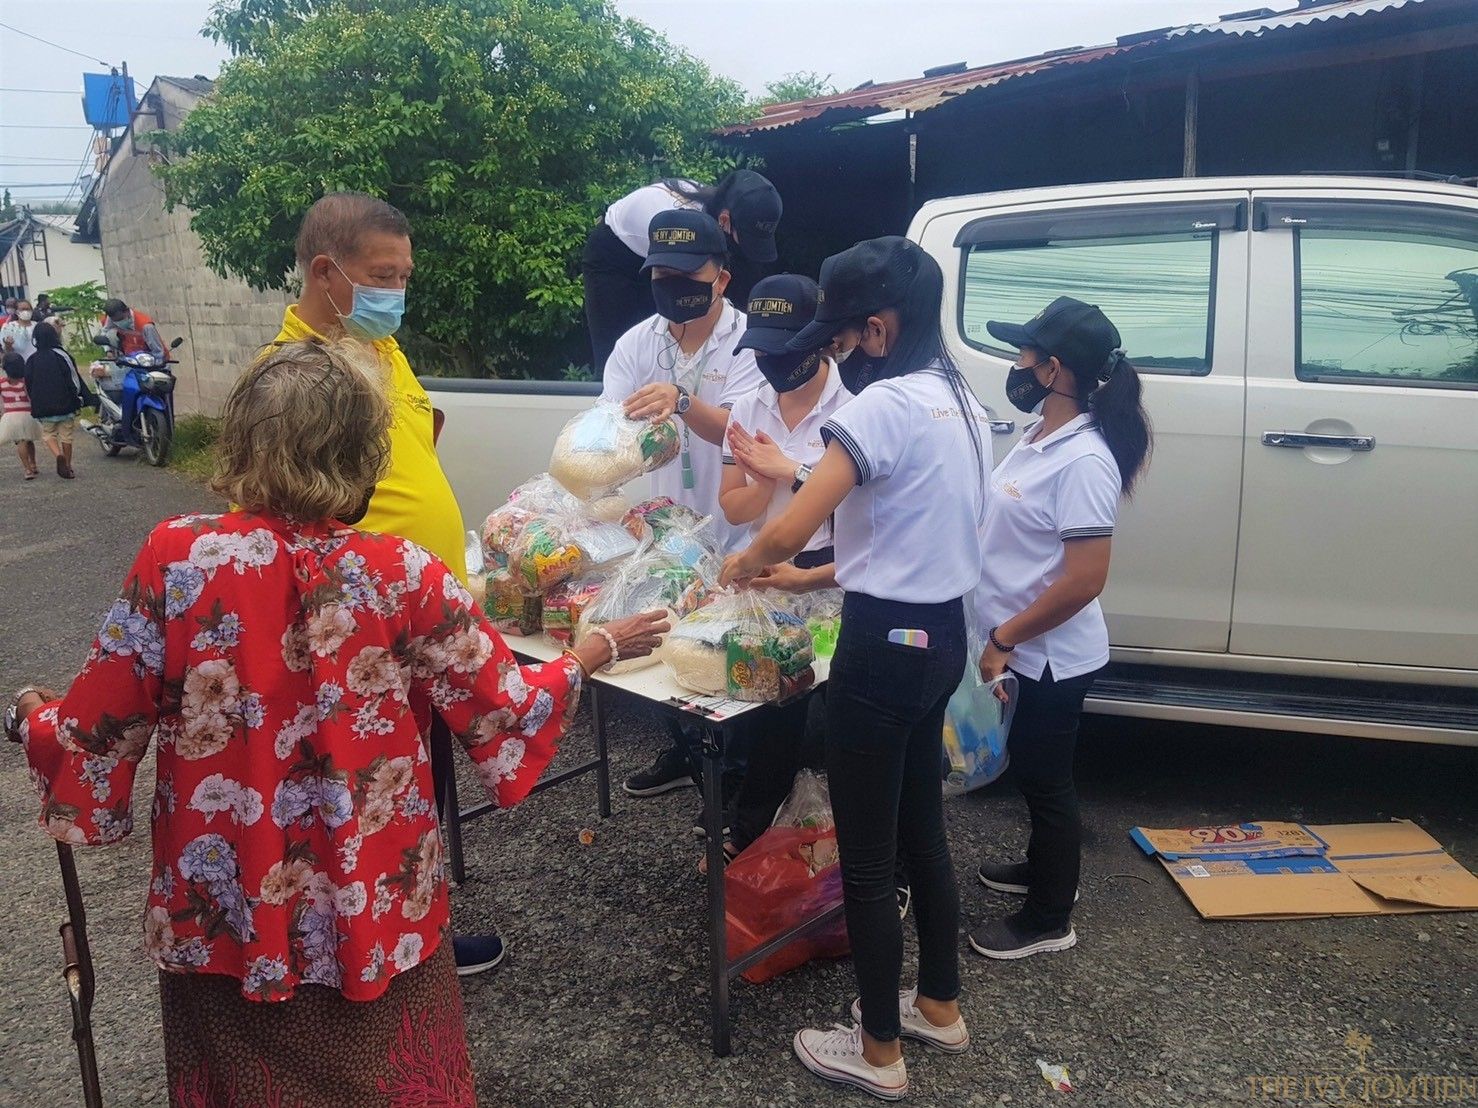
600 450
786 876
539 497
654 518
567 601
509 606
650 579
976 726
746 645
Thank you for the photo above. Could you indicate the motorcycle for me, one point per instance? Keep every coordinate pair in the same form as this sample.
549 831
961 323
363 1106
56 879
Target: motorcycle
146 393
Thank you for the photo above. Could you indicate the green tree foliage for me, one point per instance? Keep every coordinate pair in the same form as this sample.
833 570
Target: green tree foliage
7 207
500 127
797 86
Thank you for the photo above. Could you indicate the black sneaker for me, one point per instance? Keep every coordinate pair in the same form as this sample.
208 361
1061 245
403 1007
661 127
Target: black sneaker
1010 878
1009 938
477 953
670 771
700 824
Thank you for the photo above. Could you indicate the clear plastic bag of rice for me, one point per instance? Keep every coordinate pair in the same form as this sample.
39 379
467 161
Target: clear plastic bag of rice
648 580
600 450
746 645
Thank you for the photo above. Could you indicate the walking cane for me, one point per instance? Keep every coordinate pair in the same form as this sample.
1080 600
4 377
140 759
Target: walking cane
77 972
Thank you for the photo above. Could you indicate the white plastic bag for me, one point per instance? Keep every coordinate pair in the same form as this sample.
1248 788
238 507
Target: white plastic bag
649 580
744 645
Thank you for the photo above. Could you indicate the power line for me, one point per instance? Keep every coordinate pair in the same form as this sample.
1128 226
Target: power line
49 91
57 45
39 185
48 126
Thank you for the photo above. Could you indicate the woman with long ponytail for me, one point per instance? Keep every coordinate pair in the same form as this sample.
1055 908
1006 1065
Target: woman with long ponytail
1049 524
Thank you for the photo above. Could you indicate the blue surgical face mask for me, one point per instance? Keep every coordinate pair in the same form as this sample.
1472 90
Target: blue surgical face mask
376 312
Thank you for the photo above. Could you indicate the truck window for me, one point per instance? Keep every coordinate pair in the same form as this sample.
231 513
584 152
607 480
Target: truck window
1387 307
1157 288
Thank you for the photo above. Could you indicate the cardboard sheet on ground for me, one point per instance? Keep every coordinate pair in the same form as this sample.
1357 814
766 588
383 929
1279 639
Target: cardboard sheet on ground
1291 871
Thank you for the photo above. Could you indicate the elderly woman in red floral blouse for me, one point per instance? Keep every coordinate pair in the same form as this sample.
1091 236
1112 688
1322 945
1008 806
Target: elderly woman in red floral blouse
281 660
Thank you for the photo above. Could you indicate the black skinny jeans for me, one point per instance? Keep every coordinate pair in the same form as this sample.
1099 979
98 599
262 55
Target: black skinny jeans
884 749
618 295
1043 740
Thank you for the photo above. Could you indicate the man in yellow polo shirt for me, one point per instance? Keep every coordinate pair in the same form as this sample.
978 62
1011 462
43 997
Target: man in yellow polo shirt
354 256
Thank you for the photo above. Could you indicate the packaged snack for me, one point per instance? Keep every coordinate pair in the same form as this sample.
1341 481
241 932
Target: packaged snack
600 450
653 518
567 601
555 548
649 580
744 645
538 497
511 610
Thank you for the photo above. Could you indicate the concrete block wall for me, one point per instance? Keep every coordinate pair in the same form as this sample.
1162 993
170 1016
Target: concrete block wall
153 261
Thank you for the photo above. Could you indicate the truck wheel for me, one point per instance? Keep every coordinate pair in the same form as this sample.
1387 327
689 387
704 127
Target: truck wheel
155 437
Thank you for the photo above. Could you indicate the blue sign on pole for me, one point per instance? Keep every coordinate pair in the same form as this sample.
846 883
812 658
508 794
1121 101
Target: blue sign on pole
108 99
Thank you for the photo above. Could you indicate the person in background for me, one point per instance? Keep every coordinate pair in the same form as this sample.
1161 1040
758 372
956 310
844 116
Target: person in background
682 361
1047 536
18 335
773 443
129 331
57 394
9 313
298 904
904 476
17 425
44 310
617 293
354 257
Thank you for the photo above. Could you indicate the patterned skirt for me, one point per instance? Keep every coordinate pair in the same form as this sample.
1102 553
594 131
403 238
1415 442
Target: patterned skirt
408 1049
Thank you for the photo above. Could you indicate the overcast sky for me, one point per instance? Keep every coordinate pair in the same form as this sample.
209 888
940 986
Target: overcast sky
753 41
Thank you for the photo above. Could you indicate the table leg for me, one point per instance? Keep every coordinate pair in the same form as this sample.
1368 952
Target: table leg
602 751
718 953
444 782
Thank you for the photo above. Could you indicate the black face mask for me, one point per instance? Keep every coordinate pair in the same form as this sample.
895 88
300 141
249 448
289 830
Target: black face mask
681 299
788 372
1025 392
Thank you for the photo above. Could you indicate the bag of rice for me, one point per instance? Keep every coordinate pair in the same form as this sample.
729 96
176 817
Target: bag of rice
600 450
744 645
649 580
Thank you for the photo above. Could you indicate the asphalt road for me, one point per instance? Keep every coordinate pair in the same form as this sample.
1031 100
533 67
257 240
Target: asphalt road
602 1000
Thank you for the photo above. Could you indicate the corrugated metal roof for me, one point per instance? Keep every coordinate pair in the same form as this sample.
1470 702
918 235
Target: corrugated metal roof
197 85
920 94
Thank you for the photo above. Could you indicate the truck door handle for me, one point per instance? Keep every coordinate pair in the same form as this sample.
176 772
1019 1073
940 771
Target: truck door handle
1002 426
1298 440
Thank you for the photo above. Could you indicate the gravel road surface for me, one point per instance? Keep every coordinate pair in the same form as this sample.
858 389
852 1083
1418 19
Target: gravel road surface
602 1000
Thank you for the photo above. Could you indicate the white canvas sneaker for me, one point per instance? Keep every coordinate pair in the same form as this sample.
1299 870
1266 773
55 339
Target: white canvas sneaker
954 1039
836 1055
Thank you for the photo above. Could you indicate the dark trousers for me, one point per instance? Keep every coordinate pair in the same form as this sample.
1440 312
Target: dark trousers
781 744
618 295
1044 737
884 749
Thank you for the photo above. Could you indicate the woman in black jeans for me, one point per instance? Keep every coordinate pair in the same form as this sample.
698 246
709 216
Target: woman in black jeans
904 472
1048 526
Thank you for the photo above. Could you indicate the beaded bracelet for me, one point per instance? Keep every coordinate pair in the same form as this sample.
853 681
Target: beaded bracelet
998 644
610 638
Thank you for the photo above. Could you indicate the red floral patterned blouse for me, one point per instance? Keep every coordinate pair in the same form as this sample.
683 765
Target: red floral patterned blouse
282 669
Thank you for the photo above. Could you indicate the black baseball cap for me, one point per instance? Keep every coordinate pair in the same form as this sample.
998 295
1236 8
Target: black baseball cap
779 306
1076 334
858 282
685 239
754 213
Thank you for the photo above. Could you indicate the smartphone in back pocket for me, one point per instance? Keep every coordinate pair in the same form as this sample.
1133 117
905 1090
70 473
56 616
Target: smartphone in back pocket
906 637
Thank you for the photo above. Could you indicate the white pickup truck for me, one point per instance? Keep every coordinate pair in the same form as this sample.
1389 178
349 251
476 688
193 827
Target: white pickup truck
1303 554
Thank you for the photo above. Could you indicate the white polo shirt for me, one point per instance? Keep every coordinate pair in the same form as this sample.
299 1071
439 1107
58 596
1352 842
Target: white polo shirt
910 530
760 411
631 216
648 354
1044 493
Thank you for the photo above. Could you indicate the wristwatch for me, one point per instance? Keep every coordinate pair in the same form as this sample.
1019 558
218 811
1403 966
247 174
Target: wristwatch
802 475
12 720
684 401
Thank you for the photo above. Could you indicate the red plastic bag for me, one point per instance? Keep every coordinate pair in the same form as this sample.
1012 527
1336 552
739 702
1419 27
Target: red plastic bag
785 877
